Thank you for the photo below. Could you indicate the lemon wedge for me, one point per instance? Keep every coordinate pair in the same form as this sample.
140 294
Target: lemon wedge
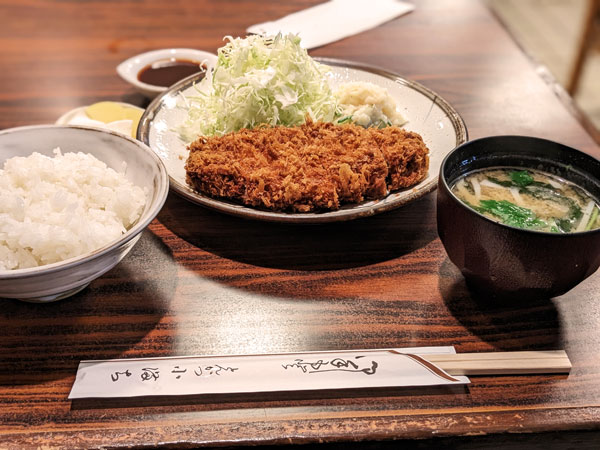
108 112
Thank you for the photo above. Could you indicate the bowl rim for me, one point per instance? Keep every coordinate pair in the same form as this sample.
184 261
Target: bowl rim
444 182
129 68
155 206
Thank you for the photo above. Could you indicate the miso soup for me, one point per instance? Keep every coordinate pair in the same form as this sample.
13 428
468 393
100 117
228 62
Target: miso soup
529 199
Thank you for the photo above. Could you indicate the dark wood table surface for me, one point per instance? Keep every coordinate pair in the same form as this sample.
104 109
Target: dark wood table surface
199 282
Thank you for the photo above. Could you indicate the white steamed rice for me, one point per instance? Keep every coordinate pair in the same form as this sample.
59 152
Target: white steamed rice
52 209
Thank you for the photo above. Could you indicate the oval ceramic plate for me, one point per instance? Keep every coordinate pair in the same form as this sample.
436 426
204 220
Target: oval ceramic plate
427 113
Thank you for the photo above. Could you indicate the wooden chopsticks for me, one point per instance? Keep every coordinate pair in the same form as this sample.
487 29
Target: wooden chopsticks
502 363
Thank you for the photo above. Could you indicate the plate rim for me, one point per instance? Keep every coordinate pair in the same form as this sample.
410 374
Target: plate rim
350 211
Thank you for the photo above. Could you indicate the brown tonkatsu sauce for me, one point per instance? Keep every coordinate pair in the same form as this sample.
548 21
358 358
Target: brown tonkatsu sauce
169 71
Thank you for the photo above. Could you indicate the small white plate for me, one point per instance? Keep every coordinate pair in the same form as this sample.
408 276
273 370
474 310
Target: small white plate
129 69
427 113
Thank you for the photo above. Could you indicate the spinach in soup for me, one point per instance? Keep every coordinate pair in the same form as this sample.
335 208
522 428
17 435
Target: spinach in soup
529 199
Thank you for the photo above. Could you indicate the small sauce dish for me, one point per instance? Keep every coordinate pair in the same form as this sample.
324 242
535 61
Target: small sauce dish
163 67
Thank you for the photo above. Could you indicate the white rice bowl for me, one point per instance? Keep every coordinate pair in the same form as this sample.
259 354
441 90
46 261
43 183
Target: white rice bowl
77 222
56 208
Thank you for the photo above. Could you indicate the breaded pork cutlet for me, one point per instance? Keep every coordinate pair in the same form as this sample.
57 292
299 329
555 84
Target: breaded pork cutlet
311 167
405 153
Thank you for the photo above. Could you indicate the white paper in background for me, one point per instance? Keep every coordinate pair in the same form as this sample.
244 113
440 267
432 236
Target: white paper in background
260 373
334 20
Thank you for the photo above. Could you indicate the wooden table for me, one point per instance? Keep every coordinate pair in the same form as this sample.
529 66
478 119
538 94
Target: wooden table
200 282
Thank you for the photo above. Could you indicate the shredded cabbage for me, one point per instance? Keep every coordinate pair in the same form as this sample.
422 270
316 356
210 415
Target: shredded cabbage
259 80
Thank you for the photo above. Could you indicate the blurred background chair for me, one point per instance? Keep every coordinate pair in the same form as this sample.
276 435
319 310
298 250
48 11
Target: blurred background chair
563 36
588 41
